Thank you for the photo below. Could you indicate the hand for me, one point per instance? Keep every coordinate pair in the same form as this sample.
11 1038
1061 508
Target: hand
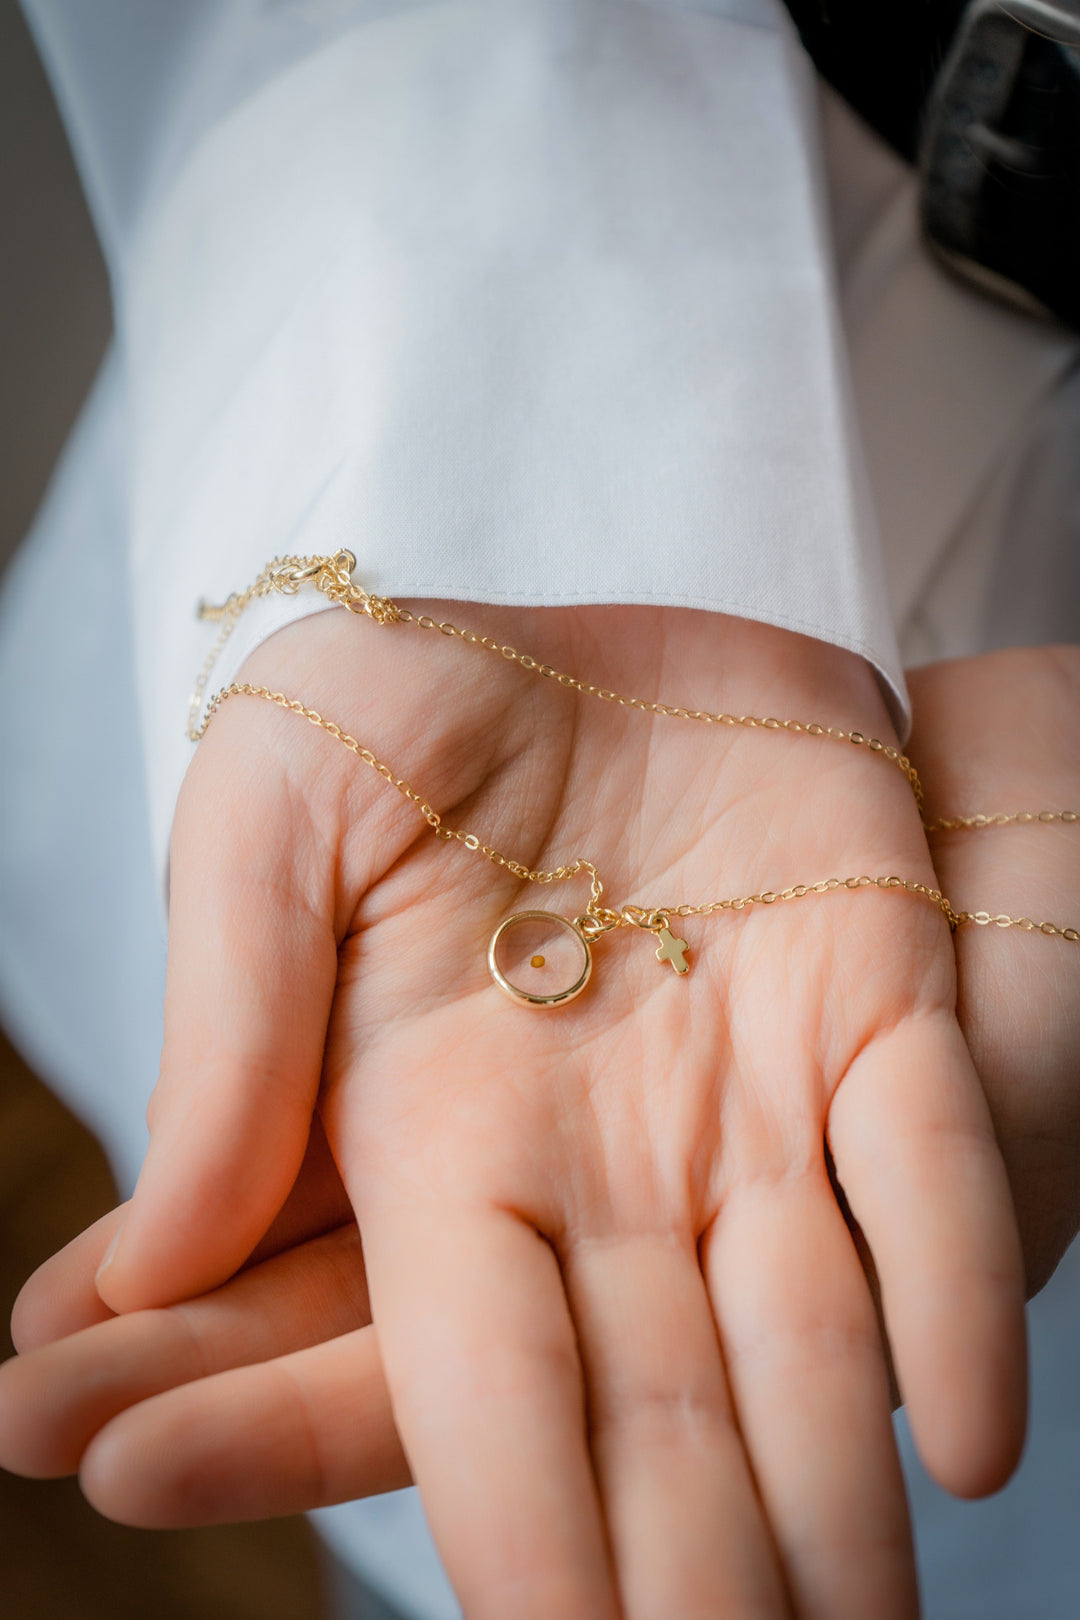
186 1415
1002 732
203 1448
201 1452
604 1137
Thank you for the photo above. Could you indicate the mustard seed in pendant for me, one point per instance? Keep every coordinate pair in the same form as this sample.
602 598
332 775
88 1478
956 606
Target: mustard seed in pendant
560 968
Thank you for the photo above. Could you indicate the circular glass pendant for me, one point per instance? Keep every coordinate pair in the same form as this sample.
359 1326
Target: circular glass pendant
539 958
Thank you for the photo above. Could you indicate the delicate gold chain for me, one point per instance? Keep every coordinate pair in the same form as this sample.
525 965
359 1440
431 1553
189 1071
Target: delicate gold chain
955 919
333 577
1019 818
599 919
556 875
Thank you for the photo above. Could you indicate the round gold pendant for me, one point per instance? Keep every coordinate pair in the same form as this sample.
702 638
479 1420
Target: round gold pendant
581 959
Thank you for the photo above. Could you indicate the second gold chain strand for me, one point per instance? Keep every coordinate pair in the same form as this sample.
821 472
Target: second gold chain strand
333 577
629 915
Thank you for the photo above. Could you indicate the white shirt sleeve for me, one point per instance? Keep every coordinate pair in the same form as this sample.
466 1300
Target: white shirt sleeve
522 301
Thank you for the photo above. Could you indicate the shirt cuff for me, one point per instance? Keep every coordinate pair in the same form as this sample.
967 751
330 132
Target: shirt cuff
520 302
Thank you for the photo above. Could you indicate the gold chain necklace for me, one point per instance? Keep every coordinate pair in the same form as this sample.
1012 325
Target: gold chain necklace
333 577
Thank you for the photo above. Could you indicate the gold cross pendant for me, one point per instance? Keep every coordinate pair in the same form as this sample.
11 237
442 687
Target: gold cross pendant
672 950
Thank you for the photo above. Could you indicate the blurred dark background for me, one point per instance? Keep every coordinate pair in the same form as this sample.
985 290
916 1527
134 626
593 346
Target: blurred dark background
54 296
58 1559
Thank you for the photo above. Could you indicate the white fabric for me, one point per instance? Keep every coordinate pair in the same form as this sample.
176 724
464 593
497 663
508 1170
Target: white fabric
519 301
953 393
82 941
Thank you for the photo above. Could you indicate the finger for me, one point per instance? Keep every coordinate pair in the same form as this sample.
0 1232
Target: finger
484 1375
251 973
317 1203
916 1156
53 1401
808 1375
686 1527
61 1297
286 1436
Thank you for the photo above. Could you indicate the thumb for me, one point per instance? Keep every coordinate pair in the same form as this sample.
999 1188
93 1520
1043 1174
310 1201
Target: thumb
251 975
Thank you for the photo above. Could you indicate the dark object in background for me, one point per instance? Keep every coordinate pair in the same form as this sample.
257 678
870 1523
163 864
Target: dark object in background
984 96
54 295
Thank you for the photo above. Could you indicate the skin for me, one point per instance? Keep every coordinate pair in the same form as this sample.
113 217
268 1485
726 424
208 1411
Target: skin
628 1344
1002 732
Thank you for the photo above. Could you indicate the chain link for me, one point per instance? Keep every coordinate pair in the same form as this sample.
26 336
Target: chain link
333 577
599 919
283 577
518 869
1019 818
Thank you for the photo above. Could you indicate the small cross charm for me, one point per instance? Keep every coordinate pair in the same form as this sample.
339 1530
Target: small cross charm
672 950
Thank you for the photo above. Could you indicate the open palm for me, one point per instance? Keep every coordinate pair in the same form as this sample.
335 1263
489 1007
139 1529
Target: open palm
631 1353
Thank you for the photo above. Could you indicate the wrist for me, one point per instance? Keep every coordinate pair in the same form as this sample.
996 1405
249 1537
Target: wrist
679 656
